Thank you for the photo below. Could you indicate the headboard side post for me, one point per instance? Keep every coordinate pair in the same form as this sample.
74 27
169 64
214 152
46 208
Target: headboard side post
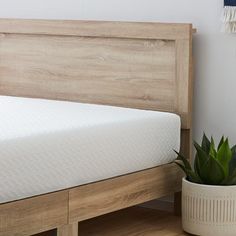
183 98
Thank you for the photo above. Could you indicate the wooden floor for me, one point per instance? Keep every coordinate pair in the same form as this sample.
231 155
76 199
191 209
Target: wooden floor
136 221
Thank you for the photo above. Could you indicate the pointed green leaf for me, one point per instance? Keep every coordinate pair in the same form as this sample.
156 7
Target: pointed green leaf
190 175
231 180
206 144
212 152
212 142
212 172
197 165
233 149
224 156
221 142
181 166
232 164
200 160
184 160
201 155
194 178
211 166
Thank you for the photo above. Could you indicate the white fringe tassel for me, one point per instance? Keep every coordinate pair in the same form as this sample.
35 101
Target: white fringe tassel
229 19
229 14
229 27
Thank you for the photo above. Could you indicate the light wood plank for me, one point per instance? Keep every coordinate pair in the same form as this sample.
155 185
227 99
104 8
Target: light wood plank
34 215
132 222
68 230
147 30
110 195
186 143
183 101
122 72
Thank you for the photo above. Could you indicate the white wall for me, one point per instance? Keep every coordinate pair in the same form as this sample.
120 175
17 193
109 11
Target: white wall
215 53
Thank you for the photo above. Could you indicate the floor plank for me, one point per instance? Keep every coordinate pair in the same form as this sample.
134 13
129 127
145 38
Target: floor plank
136 221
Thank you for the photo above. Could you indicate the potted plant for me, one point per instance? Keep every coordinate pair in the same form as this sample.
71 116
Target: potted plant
209 189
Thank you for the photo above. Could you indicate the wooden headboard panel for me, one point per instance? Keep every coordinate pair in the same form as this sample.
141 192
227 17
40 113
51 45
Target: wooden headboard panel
139 65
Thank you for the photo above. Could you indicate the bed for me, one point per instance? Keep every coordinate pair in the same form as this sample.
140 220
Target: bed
47 146
90 115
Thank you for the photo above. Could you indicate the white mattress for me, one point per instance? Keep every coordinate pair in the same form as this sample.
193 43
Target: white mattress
48 145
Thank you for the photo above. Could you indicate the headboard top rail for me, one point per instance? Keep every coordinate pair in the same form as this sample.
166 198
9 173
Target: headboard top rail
147 30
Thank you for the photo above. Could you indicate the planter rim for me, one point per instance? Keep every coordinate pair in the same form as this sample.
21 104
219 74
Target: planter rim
208 186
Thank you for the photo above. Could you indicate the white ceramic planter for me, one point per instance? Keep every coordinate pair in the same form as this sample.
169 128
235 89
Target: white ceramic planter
209 210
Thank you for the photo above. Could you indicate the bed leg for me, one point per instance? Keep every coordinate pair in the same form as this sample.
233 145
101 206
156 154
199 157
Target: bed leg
177 203
68 230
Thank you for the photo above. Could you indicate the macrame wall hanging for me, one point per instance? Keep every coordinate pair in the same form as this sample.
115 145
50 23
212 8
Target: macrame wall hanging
229 16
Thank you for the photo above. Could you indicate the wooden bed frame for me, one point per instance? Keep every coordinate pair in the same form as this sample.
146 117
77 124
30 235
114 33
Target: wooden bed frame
138 65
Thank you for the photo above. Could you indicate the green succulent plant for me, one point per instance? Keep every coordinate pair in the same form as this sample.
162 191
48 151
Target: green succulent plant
212 165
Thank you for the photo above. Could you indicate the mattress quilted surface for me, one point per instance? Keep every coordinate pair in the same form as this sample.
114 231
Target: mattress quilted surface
48 145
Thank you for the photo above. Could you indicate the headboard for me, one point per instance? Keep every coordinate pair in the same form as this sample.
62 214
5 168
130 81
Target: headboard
138 65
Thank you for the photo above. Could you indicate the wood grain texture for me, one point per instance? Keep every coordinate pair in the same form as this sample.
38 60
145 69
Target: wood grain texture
138 65
186 143
113 29
133 222
139 72
34 215
183 78
68 230
110 195
122 72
